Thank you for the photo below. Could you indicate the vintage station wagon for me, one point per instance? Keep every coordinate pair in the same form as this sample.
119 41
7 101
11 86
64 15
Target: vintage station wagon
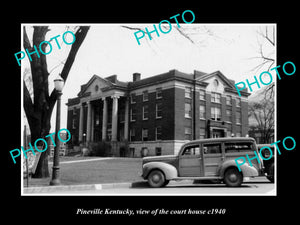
205 159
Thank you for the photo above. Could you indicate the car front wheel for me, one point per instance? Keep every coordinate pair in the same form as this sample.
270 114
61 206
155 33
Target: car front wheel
156 179
233 178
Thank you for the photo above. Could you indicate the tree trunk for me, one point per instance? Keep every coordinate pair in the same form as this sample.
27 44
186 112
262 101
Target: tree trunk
39 111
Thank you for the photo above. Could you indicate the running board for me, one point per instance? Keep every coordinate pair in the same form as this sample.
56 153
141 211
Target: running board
245 179
198 178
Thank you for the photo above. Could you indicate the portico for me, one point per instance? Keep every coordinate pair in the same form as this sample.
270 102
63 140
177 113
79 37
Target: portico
103 112
100 119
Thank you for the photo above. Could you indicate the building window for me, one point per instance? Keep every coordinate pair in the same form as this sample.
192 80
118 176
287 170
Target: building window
187 110
158 131
202 111
145 96
202 95
132 134
74 118
158 109
188 92
158 151
74 121
145 134
216 97
238 117
228 133
238 102
215 113
145 112
121 115
228 115
228 100
108 134
131 152
97 119
202 133
132 114
132 98
216 83
158 93
188 133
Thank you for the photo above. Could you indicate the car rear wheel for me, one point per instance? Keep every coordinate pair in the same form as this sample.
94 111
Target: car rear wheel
156 179
233 178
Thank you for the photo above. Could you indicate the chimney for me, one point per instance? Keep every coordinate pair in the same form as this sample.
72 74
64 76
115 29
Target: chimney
112 78
136 77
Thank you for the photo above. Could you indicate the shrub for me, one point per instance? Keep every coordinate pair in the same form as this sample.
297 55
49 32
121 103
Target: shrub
100 149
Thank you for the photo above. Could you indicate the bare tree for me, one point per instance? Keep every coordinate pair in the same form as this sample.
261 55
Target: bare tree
261 107
196 35
262 110
267 40
39 109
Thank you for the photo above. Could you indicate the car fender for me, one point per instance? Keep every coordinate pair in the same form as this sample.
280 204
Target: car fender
169 170
246 169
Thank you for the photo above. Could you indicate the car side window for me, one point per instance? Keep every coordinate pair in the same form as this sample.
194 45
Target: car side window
238 147
211 148
191 150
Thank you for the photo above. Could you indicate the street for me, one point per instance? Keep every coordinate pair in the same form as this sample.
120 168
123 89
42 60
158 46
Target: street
257 186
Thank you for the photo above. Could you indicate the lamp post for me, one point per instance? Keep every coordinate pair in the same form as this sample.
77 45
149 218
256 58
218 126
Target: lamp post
58 84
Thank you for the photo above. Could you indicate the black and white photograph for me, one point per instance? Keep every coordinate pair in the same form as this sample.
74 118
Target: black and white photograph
166 111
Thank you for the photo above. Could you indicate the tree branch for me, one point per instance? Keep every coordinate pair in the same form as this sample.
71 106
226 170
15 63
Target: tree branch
184 35
80 36
131 28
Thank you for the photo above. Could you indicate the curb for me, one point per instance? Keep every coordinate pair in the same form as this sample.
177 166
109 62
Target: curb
82 187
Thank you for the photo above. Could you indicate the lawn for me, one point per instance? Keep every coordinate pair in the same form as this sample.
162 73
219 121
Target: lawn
110 170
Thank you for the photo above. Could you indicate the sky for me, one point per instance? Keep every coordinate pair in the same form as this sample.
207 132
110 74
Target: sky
112 49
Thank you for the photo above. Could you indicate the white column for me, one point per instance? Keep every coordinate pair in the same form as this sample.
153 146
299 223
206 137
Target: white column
81 124
89 122
126 119
114 127
104 119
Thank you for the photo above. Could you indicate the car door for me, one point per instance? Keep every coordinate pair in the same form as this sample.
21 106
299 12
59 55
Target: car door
190 161
212 158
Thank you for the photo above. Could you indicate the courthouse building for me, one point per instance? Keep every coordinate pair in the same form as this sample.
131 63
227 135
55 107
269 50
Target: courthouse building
156 115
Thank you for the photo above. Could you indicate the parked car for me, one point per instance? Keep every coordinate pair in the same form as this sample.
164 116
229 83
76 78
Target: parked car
205 159
268 164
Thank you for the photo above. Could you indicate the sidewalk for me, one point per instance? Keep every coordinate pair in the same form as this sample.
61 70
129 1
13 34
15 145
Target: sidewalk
81 187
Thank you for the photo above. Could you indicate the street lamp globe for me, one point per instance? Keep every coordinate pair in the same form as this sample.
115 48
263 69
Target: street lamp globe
59 83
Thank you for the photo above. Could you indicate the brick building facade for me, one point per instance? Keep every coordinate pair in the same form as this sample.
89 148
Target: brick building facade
156 115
